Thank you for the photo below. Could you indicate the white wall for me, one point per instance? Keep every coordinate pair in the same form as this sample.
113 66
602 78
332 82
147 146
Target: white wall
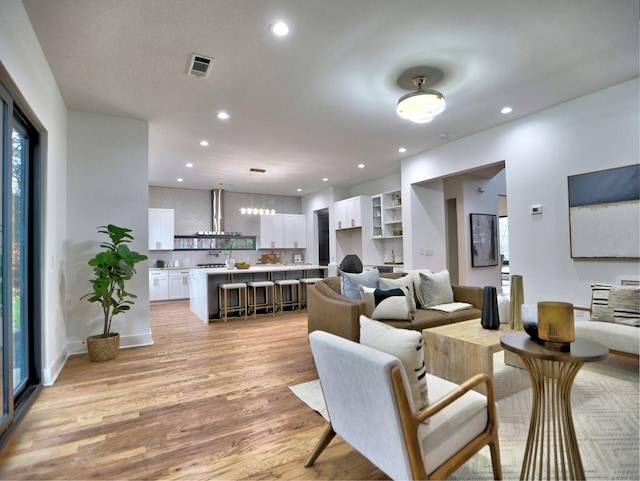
108 184
590 133
22 57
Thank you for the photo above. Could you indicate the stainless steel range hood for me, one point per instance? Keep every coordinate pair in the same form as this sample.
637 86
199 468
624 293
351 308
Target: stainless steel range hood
217 211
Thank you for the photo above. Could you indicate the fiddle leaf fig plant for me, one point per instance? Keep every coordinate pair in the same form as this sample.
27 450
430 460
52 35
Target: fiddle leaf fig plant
113 266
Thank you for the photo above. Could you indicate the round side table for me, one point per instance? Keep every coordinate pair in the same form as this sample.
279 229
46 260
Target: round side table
552 446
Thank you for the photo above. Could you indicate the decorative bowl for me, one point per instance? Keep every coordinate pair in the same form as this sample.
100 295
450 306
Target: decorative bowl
531 328
243 265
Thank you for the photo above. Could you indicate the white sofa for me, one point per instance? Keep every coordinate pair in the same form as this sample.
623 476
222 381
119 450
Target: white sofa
612 320
617 337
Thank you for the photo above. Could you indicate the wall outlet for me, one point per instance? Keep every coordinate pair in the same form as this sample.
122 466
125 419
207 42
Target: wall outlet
536 209
428 252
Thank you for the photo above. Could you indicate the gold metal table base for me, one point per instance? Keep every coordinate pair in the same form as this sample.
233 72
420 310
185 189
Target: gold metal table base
552 448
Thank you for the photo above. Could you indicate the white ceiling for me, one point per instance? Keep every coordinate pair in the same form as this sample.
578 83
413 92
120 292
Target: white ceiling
320 101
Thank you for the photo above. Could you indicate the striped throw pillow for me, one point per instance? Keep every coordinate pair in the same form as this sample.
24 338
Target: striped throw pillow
625 301
619 304
600 309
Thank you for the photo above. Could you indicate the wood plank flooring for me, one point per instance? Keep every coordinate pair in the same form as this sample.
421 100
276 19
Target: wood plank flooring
204 402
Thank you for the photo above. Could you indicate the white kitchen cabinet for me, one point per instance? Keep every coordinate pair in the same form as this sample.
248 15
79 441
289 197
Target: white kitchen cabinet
348 212
161 229
179 284
283 231
271 231
158 285
295 231
376 216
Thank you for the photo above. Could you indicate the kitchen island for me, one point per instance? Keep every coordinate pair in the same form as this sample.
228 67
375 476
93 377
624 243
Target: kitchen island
203 283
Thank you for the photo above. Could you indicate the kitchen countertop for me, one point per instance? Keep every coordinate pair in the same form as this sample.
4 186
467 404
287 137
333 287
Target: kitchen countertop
259 268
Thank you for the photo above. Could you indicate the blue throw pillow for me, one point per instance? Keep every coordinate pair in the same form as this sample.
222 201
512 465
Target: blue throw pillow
350 282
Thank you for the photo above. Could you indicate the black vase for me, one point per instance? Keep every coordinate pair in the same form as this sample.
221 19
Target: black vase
490 318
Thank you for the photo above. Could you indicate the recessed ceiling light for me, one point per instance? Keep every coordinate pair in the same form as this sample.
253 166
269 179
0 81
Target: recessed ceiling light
506 110
325 179
189 164
179 179
402 150
222 115
280 29
443 135
204 143
299 190
360 166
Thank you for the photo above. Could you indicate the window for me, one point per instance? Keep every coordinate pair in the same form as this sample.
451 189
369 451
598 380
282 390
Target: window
19 262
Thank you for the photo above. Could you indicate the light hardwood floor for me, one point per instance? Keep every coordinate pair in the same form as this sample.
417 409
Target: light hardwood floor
204 402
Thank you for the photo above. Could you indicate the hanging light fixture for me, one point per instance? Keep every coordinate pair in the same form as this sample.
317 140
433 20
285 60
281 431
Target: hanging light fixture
422 105
254 210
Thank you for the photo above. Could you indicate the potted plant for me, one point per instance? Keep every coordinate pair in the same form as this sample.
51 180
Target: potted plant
112 266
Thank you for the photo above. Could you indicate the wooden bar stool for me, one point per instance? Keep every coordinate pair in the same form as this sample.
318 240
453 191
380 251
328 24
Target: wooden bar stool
223 301
304 282
269 296
294 293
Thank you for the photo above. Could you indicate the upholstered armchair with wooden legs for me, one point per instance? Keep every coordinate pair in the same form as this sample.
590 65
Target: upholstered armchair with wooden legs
366 396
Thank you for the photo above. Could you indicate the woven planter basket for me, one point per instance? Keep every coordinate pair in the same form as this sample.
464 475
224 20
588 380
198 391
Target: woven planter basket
103 348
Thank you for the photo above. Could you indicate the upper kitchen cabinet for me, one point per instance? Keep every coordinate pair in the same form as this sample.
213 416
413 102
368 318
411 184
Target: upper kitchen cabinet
271 231
161 229
295 231
283 231
348 212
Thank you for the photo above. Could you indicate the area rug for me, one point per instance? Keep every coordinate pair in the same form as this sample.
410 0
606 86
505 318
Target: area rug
606 407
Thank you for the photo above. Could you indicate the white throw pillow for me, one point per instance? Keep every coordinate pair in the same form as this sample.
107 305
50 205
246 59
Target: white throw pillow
436 288
417 285
388 284
382 305
404 344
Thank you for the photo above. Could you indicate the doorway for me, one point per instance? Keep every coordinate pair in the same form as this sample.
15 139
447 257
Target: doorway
451 208
323 237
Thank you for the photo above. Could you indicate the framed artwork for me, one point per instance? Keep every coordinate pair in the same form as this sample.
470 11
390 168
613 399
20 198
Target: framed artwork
484 240
604 213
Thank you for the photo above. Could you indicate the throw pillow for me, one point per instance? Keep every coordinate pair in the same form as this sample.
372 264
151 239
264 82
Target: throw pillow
406 281
417 286
600 309
404 344
350 282
436 288
381 305
625 302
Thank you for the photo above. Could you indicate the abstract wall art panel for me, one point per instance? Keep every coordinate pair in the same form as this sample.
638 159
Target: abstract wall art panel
604 213
484 240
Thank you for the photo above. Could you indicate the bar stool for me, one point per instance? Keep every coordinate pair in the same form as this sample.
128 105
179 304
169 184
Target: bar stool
269 293
304 282
294 293
223 301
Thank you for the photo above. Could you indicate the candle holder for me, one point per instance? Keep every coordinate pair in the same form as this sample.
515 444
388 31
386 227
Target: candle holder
555 325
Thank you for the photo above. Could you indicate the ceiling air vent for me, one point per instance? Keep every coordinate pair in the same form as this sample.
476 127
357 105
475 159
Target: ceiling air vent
199 66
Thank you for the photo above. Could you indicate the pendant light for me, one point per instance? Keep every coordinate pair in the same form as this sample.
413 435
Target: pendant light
254 210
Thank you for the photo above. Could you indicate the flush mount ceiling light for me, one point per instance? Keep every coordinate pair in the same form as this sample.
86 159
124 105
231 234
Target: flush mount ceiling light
422 105
255 210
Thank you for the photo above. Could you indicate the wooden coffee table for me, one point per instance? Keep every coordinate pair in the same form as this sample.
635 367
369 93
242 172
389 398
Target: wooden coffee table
456 352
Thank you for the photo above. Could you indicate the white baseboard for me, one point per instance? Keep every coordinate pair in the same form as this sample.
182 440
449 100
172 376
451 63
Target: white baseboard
133 340
51 373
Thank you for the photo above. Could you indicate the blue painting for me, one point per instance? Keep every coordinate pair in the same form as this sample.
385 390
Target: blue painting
604 213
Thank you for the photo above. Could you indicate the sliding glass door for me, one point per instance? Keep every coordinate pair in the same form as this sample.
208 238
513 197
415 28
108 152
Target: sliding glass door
19 263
